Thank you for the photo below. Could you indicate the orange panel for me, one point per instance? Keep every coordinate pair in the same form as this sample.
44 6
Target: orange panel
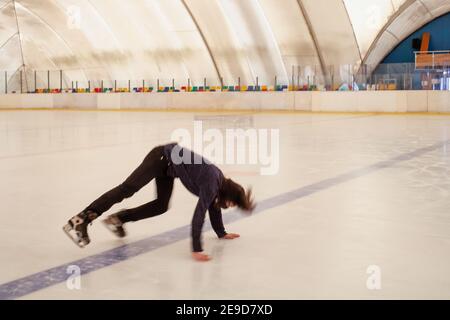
425 41
426 60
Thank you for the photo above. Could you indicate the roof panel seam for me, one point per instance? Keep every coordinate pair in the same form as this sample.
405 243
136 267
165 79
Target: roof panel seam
313 35
6 3
9 39
353 30
205 42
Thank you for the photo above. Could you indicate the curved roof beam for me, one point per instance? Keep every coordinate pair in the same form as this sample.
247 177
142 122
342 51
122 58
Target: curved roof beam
9 39
424 5
204 41
5 4
20 38
313 35
385 30
353 30
402 9
14 73
49 27
239 40
274 40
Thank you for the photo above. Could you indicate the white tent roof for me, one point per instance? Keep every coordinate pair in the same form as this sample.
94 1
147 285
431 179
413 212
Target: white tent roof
181 39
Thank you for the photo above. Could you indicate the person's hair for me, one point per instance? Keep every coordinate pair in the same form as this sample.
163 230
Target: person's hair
231 191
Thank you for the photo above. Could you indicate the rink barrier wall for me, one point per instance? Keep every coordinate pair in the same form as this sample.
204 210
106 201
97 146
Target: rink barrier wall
362 101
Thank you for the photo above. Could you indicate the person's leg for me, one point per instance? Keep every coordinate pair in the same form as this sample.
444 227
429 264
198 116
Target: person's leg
164 188
152 166
155 164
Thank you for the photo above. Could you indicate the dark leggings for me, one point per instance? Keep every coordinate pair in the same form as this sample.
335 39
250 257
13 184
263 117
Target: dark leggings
155 167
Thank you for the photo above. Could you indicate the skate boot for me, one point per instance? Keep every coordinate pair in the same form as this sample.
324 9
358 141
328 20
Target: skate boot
76 227
114 224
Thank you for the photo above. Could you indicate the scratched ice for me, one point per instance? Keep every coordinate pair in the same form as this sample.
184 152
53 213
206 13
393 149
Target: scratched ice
353 191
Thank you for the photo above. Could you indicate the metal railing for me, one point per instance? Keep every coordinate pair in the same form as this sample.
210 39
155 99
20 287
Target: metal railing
402 76
432 60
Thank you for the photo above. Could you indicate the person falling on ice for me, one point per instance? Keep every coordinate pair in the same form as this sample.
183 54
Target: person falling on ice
164 164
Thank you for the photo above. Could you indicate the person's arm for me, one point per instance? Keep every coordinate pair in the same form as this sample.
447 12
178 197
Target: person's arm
215 216
197 225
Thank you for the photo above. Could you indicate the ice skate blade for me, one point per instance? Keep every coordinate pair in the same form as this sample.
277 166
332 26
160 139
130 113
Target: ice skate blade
71 233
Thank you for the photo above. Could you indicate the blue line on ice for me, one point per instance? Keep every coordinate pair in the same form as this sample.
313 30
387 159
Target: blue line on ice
44 279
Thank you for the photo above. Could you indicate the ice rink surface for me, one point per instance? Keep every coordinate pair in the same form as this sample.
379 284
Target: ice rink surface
359 199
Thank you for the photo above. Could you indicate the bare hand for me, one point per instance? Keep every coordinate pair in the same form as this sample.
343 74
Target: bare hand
200 256
231 236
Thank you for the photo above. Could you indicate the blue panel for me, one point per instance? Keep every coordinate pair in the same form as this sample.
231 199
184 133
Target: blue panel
440 40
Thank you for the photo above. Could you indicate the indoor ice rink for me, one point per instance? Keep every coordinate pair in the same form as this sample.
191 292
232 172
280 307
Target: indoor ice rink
349 102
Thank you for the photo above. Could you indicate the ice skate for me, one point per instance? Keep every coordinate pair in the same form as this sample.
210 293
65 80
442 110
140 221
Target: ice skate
114 224
76 227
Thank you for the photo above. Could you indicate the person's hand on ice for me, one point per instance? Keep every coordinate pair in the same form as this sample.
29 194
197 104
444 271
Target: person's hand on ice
200 256
231 236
